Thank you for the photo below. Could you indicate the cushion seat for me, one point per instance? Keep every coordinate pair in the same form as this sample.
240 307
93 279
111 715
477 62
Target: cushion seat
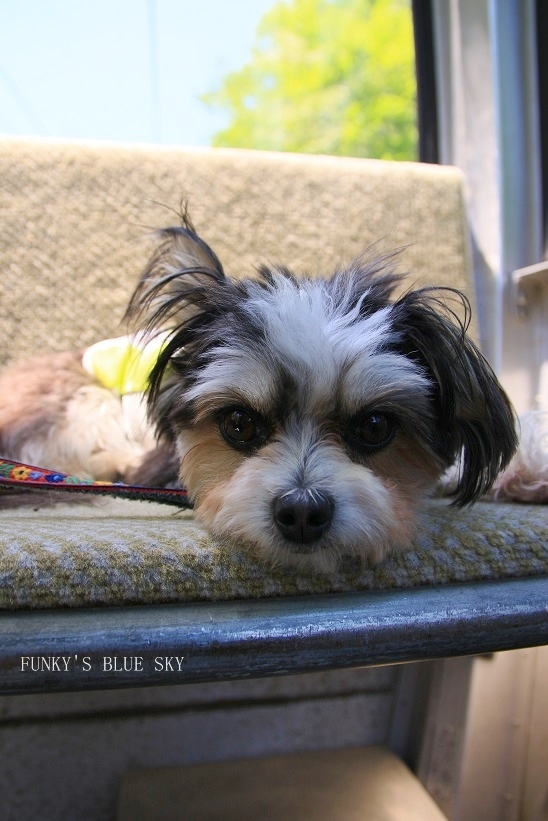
361 784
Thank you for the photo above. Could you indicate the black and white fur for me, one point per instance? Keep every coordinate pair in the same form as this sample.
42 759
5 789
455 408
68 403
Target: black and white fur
310 416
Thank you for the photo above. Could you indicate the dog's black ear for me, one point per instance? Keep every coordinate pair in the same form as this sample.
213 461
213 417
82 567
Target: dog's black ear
181 291
476 420
175 276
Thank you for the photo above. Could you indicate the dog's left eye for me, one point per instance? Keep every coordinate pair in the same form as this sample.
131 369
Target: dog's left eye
241 428
372 432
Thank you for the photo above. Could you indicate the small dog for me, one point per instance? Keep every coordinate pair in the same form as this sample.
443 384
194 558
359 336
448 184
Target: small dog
307 416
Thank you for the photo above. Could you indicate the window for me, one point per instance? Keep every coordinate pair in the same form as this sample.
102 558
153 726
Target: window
320 76
490 124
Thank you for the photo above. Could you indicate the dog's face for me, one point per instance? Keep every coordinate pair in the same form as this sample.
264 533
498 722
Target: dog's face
312 416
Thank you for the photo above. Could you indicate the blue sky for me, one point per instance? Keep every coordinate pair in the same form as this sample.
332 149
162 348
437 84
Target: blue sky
129 70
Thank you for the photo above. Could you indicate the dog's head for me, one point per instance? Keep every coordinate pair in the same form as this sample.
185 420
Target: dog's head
312 415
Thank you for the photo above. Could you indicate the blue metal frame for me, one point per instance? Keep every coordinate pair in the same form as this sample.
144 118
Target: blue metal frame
131 646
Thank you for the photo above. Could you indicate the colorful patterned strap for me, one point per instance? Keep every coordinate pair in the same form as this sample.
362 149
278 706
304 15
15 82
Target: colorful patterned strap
21 477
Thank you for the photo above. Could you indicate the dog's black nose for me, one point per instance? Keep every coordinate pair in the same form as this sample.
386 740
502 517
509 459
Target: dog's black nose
302 515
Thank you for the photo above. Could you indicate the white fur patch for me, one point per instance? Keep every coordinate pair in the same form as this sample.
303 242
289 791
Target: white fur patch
238 372
329 352
313 337
526 477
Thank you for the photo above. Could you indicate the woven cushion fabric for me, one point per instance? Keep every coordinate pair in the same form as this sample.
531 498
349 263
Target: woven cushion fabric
125 552
75 222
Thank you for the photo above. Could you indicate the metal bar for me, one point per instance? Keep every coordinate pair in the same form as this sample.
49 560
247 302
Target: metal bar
138 646
525 281
427 96
533 274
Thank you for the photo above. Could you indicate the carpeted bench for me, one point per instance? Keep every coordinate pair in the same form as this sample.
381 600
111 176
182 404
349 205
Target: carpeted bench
125 579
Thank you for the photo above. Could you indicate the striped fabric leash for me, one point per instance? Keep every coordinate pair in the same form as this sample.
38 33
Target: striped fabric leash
16 476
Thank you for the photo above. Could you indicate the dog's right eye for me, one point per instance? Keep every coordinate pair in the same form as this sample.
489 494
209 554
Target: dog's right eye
241 428
372 432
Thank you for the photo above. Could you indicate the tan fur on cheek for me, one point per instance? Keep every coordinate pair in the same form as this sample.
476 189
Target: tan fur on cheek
407 472
207 466
406 465
403 513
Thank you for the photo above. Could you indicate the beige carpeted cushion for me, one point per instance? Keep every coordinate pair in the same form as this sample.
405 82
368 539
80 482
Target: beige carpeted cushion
73 219
126 552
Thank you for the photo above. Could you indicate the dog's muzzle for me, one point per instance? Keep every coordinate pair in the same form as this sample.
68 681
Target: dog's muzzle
303 516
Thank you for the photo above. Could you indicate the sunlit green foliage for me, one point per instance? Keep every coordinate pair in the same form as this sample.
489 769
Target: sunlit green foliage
326 76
